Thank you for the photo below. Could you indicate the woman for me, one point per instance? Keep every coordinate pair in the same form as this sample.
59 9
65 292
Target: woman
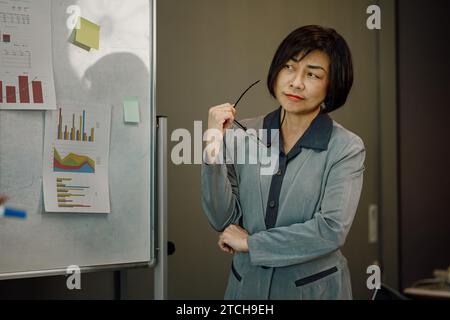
286 230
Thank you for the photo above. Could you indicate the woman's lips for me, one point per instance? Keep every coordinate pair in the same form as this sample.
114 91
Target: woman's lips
293 97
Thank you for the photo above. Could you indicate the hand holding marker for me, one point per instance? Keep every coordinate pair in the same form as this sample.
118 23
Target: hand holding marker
9 212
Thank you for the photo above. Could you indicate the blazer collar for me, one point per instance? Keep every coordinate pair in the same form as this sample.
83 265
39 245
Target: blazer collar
317 136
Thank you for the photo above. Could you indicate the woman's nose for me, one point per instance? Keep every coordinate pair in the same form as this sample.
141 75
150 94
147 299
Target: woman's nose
297 82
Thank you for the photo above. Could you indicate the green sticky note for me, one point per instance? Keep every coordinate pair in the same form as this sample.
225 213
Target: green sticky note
88 35
131 109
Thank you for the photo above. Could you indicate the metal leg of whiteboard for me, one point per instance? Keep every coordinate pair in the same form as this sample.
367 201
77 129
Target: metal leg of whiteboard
121 285
161 221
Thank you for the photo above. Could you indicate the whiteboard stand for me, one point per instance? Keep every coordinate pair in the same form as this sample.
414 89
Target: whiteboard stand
160 273
46 243
161 218
122 286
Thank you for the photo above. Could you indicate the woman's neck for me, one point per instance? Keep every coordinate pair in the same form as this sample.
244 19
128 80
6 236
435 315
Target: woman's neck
299 122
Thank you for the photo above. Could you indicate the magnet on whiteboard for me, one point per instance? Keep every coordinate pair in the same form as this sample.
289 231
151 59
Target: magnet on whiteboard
12 213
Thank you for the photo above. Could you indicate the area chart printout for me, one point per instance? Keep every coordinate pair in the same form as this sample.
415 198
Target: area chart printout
76 154
26 68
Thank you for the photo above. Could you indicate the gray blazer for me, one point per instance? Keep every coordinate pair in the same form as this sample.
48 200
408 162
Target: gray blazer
297 256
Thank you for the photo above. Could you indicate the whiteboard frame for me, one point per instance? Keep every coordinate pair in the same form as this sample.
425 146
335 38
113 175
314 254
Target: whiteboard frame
153 185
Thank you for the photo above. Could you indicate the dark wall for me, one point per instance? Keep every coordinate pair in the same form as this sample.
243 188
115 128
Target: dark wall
424 110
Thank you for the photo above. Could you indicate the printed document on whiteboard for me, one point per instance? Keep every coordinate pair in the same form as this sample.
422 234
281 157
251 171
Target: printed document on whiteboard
76 157
26 67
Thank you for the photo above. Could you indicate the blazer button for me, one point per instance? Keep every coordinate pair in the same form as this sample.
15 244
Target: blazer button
279 173
272 204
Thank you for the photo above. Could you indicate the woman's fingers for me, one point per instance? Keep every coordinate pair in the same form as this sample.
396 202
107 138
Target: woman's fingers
225 106
3 199
220 117
217 111
223 246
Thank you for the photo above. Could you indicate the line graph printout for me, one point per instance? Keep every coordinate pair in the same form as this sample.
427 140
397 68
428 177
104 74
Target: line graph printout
26 67
76 156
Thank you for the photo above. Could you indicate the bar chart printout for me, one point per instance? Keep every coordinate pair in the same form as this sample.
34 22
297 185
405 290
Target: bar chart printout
19 92
76 129
26 66
76 154
70 195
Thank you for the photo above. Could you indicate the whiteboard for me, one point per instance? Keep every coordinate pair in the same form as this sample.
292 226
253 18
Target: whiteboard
47 243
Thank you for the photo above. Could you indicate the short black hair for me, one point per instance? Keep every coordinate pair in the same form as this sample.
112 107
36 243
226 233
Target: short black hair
313 37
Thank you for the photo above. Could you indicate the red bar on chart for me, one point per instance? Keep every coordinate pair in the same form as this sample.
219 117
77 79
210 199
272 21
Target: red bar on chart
37 92
1 91
10 94
24 91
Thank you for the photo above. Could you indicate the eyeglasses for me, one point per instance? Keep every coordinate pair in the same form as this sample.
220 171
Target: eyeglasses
239 99
241 125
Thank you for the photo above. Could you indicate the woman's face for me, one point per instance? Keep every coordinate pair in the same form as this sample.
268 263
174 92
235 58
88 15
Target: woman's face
301 86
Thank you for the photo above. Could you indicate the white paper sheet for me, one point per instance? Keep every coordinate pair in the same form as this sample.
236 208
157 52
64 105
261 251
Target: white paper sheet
26 67
76 157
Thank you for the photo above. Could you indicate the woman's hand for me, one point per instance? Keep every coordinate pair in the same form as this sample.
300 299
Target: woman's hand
220 118
3 199
233 239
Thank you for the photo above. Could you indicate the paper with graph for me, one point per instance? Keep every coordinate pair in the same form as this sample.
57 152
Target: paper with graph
76 154
26 67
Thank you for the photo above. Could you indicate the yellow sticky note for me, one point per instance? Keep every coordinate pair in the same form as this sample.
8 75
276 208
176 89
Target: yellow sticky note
88 35
131 109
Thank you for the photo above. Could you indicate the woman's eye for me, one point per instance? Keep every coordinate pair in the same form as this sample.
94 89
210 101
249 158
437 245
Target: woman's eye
312 75
288 66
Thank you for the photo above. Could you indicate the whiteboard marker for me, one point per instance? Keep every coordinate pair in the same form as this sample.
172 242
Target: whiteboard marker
12 213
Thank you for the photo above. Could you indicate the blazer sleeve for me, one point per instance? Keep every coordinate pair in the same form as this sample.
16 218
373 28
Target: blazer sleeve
220 195
327 230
